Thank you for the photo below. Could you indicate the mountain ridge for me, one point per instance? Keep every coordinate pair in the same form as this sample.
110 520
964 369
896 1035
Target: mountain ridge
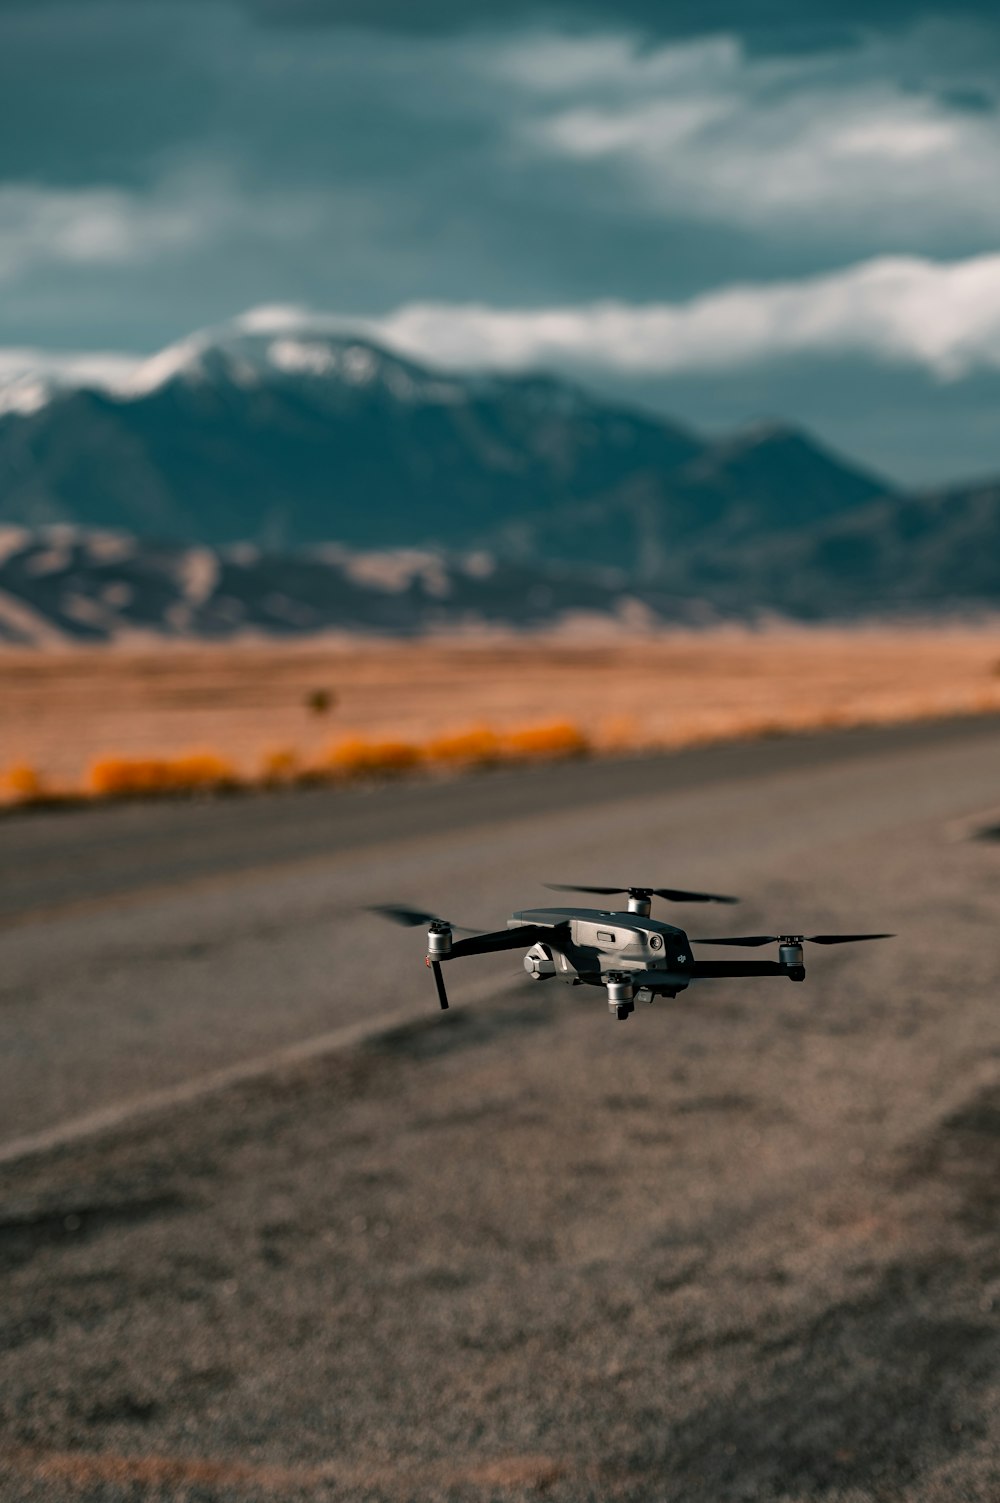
291 439
297 470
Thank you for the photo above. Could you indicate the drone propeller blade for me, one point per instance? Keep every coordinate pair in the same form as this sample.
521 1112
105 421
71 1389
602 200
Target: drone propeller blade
749 940
439 983
678 895
412 918
671 894
844 939
604 892
396 913
752 940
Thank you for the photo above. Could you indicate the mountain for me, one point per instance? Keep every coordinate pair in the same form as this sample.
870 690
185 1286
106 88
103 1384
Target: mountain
288 440
205 494
932 553
895 557
62 584
766 482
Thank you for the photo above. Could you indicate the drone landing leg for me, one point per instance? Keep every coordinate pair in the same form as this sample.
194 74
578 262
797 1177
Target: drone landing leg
435 966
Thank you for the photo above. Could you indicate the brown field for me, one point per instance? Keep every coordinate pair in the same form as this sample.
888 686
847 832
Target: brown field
271 709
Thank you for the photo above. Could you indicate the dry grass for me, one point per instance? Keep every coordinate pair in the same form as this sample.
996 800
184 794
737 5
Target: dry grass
131 777
120 721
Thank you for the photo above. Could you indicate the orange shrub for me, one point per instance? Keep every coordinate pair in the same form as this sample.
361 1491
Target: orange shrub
24 783
132 777
555 741
115 777
479 746
357 757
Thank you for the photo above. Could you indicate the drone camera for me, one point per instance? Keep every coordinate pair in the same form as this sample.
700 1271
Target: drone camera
621 993
439 938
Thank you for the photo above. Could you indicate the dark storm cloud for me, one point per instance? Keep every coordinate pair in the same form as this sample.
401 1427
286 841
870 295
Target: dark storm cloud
165 164
95 89
658 17
829 21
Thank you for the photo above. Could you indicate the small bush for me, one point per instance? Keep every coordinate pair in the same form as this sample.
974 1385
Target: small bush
554 742
134 777
479 746
320 701
24 783
357 757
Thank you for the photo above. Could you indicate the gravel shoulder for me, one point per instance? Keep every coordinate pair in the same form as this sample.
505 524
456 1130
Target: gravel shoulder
743 1246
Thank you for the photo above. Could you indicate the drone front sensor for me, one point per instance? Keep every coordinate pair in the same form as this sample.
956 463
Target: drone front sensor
630 955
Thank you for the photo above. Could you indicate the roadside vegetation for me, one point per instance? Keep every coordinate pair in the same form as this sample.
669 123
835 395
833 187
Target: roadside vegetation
347 760
102 724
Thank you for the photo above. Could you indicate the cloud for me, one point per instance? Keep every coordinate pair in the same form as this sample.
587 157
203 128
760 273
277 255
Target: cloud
107 227
86 227
943 318
709 131
668 18
26 375
905 311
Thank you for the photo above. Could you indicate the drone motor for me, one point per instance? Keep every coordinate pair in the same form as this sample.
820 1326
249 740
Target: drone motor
790 953
539 963
439 938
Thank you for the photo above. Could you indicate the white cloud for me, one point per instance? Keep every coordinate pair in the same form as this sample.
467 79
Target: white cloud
941 317
87 226
108 227
807 143
944 318
83 368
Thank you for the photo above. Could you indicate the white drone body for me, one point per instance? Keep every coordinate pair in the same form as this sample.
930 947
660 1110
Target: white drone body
633 957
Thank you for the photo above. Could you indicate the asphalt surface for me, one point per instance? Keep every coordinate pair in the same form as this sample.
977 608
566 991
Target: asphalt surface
59 860
744 1245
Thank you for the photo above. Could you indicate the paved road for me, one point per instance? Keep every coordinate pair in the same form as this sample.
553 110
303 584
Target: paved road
743 1246
59 860
147 946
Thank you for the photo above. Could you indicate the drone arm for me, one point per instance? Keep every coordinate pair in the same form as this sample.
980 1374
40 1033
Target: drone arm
507 939
663 981
714 970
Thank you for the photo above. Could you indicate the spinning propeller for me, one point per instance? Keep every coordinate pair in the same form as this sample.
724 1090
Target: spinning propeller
441 945
672 894
751 940
412 918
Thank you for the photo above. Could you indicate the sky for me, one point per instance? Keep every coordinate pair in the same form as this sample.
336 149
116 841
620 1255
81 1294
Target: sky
725 211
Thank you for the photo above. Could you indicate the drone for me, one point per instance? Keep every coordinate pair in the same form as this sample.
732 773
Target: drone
631 956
